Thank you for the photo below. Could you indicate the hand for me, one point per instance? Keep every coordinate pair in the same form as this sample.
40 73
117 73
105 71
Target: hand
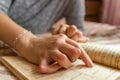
71 31
52 53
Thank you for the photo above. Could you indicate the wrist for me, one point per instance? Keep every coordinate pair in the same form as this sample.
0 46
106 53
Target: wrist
23 42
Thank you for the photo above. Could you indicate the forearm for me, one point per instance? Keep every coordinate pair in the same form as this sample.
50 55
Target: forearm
9 30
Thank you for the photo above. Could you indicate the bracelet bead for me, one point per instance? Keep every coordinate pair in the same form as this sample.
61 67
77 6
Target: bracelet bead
17 37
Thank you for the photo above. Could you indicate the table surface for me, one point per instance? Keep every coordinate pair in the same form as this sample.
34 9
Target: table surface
96 32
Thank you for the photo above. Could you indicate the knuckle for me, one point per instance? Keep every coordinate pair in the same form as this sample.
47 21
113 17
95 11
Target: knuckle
63 60
79 33
56 41
62 35
75 55
59 39
62 57
76 51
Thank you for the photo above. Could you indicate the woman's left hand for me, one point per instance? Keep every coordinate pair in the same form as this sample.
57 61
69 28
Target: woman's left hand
71 31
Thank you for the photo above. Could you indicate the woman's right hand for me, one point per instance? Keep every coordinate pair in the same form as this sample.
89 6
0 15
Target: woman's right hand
51 53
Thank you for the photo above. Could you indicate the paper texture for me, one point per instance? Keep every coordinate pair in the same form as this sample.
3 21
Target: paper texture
104 54
27 71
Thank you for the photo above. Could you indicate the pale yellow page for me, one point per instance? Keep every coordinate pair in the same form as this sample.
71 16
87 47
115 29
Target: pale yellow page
27 71
104 54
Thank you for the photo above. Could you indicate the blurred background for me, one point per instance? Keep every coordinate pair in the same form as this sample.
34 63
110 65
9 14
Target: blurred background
105 11
102 21
94 10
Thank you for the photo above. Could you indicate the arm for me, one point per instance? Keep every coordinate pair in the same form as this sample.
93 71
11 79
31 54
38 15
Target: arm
9 29
8 32
42 50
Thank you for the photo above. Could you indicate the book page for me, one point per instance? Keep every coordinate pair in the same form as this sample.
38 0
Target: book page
27 71
104 54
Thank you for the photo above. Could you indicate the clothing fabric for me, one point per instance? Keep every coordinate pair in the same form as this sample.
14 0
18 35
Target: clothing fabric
39 15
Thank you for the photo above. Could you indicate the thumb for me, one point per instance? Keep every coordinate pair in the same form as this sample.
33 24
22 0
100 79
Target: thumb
71 31
55 29
45 67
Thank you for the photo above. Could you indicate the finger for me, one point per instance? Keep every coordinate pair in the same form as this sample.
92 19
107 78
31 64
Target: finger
85 58
71 31
72 42
78 36
63 29
61 58
44 67
50 61
83 39
55 29
72 52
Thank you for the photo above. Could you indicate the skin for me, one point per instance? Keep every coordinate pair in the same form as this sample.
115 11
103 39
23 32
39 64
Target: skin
71 31
52 52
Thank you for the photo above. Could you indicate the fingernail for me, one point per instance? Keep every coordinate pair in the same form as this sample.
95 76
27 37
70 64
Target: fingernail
90 63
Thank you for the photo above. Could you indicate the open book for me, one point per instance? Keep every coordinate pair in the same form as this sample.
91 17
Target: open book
106 66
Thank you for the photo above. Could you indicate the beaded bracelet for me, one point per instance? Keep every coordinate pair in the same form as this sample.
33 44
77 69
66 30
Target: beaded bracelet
18 36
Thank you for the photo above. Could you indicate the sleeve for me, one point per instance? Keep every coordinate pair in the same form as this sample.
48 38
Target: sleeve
5 6
76 13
